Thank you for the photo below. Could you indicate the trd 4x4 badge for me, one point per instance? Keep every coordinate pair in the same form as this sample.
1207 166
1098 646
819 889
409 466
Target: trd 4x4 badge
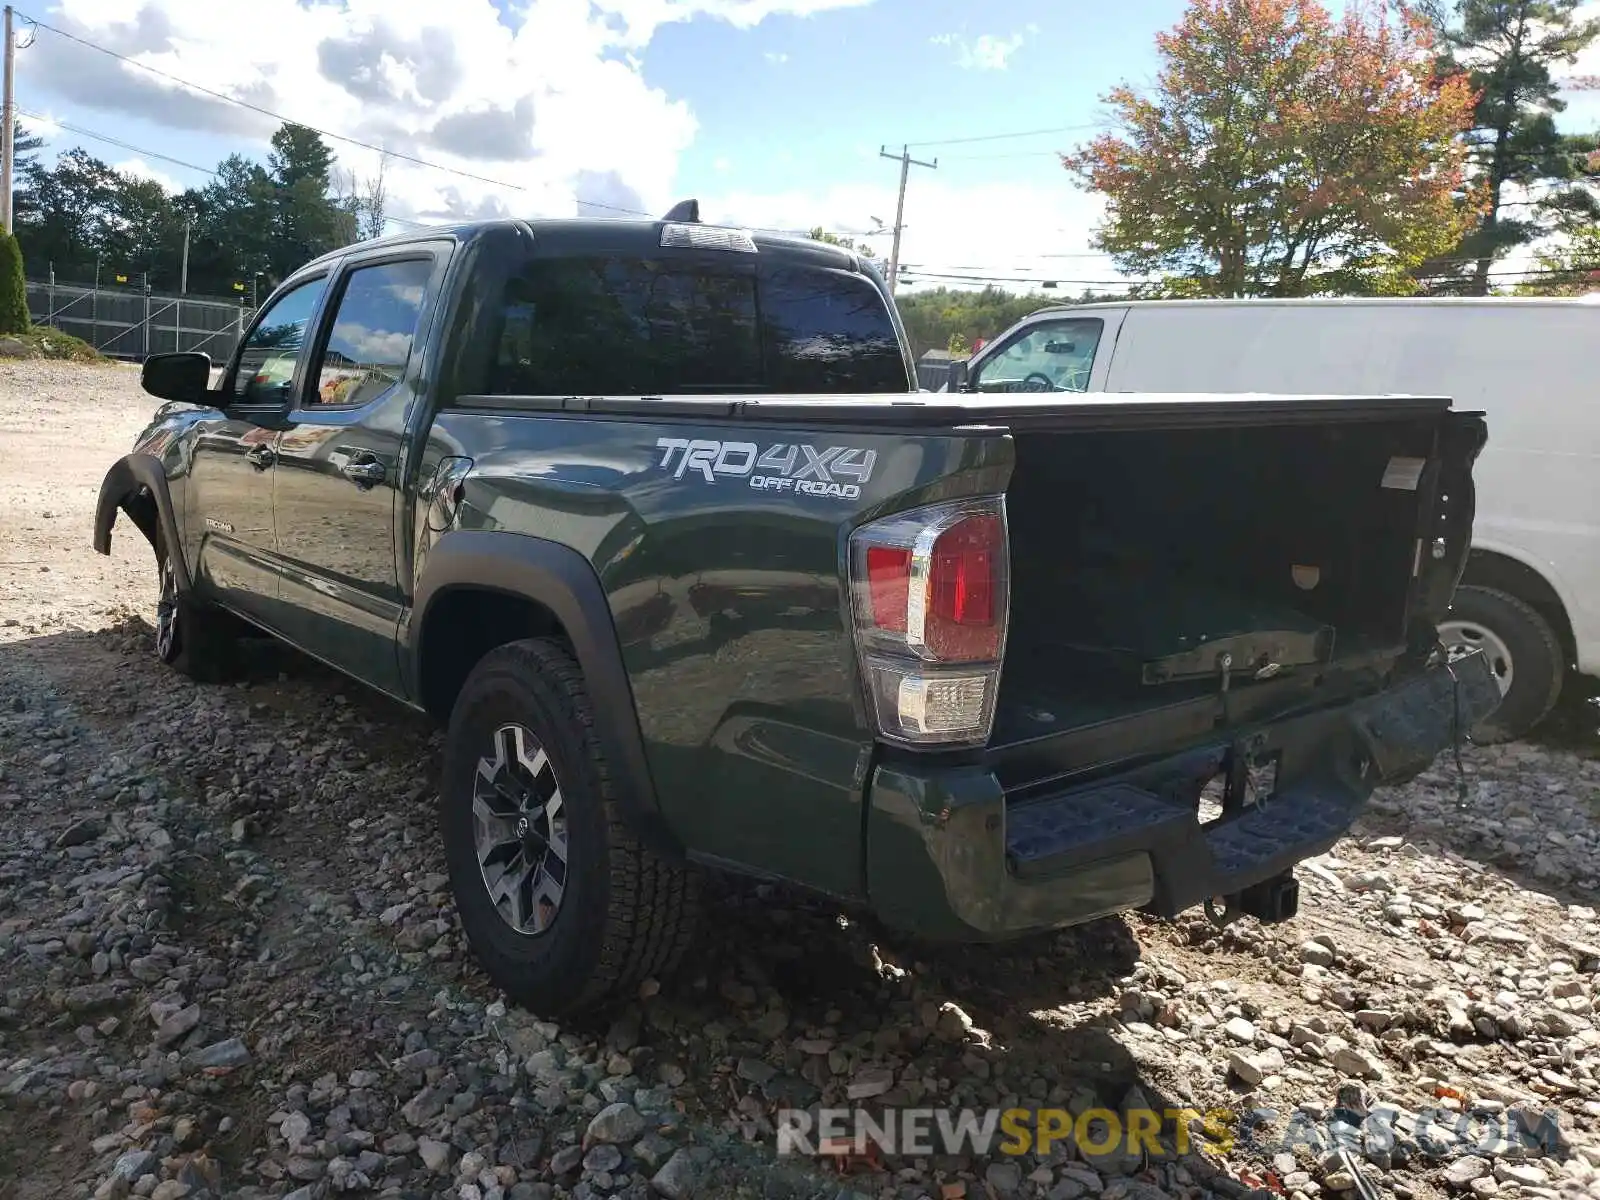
781 467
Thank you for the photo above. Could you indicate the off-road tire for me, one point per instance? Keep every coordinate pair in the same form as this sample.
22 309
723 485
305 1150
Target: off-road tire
1533 648
626 914
191 637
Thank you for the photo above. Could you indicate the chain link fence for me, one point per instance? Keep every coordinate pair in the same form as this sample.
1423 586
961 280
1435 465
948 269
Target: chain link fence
133 324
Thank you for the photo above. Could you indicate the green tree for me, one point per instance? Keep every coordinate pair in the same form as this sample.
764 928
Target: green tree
955 320
820 234
1535 178
1572 269
1283 153
307 220
13 288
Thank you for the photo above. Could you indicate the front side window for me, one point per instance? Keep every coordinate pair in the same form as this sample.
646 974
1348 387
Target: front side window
373 331
267 359
1052 356
610 325
829 332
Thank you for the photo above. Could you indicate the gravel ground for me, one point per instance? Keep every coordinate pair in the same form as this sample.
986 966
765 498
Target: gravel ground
229 966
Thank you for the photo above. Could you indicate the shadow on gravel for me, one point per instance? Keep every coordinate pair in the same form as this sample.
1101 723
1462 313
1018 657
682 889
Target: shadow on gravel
1574 726
1532 810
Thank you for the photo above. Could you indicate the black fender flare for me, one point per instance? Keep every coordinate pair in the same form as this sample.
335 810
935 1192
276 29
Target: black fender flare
123 481
563 581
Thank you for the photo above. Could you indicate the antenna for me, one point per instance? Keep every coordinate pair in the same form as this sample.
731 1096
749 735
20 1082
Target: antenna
684 210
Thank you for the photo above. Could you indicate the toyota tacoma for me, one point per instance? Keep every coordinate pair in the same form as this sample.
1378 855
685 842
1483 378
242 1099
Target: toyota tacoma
652 517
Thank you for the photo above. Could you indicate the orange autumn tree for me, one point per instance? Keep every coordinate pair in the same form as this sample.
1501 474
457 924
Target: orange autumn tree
1284 153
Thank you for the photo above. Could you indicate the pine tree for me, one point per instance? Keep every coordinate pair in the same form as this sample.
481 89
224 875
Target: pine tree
13 288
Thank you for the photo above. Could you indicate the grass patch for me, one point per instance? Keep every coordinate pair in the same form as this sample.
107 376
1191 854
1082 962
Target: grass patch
44 342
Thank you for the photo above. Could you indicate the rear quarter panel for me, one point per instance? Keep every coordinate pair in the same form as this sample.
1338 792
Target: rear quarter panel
726 589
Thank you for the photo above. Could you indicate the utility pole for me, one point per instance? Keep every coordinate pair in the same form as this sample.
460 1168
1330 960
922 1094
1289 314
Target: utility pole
8 137
906 163
183 277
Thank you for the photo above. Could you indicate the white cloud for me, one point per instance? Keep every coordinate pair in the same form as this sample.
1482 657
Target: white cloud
140 169
1589 60
43 125
1008 231
553 109
776 58
986 52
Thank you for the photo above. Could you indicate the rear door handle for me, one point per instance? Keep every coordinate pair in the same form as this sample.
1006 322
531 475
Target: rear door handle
260 457
363 472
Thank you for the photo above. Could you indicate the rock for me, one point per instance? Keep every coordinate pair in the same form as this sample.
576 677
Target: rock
604 1157
1464 1170
11 347
170 1189
1524 1174
435 1155
424 1106
1359 1063
81 832
223 1055
134 1165
652 1150
179 1025
952 1024
874 1081
1241 1031
1253 1068
1004 1177
677 1178
614 1123
1316 954
753 1070
566 1160
770 1024
296 1128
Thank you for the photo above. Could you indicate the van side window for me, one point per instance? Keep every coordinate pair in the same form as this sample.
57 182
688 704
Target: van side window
1051 356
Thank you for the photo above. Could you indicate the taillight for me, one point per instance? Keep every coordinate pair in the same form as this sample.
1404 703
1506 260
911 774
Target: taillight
930 599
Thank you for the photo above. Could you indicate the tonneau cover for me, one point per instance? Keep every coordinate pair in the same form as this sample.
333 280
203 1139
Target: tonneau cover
1099 410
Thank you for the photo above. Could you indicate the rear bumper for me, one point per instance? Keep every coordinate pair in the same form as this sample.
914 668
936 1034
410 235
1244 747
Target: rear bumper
950 854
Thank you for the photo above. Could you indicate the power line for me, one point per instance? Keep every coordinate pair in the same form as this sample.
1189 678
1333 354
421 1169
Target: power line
111 141
999 157
156 154
1002 137
339 137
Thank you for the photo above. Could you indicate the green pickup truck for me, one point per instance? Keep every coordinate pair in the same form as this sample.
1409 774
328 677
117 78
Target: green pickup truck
651 516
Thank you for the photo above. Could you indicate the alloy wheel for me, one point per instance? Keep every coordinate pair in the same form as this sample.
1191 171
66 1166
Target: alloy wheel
167 611
520 831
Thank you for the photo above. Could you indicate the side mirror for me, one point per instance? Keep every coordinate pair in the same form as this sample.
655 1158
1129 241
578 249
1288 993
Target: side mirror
958 376
184 377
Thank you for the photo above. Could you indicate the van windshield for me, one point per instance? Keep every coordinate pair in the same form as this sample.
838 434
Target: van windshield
629 326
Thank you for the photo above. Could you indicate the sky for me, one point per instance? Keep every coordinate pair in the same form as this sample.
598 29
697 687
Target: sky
772 113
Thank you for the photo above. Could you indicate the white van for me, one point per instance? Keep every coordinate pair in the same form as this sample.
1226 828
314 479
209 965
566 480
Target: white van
1531 593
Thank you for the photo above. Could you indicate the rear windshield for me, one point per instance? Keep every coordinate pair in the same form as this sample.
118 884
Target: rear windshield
621 326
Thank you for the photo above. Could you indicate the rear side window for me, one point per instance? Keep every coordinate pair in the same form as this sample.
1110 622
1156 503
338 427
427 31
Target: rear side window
626 327
638 327
829 331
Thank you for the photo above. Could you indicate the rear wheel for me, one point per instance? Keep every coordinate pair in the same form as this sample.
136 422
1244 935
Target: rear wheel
1522 649
192 638
564 909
